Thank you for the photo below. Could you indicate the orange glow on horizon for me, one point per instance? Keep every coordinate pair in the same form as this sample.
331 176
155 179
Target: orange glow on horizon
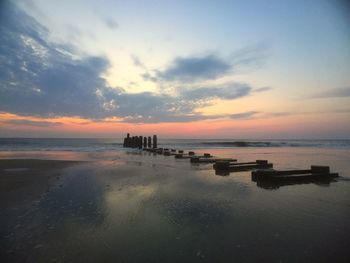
266 127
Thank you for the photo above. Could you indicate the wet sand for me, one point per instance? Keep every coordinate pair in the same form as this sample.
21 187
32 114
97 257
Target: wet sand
24 180
132 206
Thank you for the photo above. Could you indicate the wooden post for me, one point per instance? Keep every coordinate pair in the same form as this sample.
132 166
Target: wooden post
154 141
140 142
144 142
222 164
149 142
127 141
262 162
134 141
316 169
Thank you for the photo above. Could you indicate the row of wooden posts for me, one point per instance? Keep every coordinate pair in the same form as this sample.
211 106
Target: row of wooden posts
140 141
223 166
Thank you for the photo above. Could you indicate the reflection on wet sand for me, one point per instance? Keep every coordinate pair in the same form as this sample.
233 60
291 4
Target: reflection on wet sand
130 207
277 183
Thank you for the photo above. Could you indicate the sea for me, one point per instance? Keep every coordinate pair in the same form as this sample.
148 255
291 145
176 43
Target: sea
110 144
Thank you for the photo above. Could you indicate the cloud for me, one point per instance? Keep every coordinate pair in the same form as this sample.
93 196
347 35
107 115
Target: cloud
111 23
243 115
25 122
195 68
148 77
147 107
251 57
342 111
41 78
227 92
279 114
262 89
210 66
137 62
334 93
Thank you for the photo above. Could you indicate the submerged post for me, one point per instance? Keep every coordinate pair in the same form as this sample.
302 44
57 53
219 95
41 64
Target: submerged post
154 141
149 142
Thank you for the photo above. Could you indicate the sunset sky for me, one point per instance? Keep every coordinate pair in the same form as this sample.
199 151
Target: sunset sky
187 69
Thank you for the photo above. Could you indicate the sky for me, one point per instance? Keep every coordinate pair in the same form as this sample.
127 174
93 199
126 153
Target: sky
181 69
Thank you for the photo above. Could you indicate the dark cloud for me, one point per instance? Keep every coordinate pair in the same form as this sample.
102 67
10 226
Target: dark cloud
137 61
262 89
243 115
228 92
334 93
149 77
278 114
32 123
41 78
195 68
210 66
172 118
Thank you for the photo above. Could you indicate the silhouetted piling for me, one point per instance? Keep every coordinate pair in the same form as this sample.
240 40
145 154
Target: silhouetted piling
154 141
139 142
144 142
314 171
149 142
242 166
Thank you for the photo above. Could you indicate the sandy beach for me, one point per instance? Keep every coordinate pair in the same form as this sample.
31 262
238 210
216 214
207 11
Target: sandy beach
134 206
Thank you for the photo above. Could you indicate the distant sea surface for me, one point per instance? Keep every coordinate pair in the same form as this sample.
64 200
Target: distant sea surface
92 145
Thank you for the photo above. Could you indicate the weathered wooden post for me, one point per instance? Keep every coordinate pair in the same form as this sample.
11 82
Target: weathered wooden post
149 142
144 142
140 142
127 141
134 141
124 143
154 141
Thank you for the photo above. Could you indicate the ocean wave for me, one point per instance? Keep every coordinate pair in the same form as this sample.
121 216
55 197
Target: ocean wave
343 144
242 144
89 145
